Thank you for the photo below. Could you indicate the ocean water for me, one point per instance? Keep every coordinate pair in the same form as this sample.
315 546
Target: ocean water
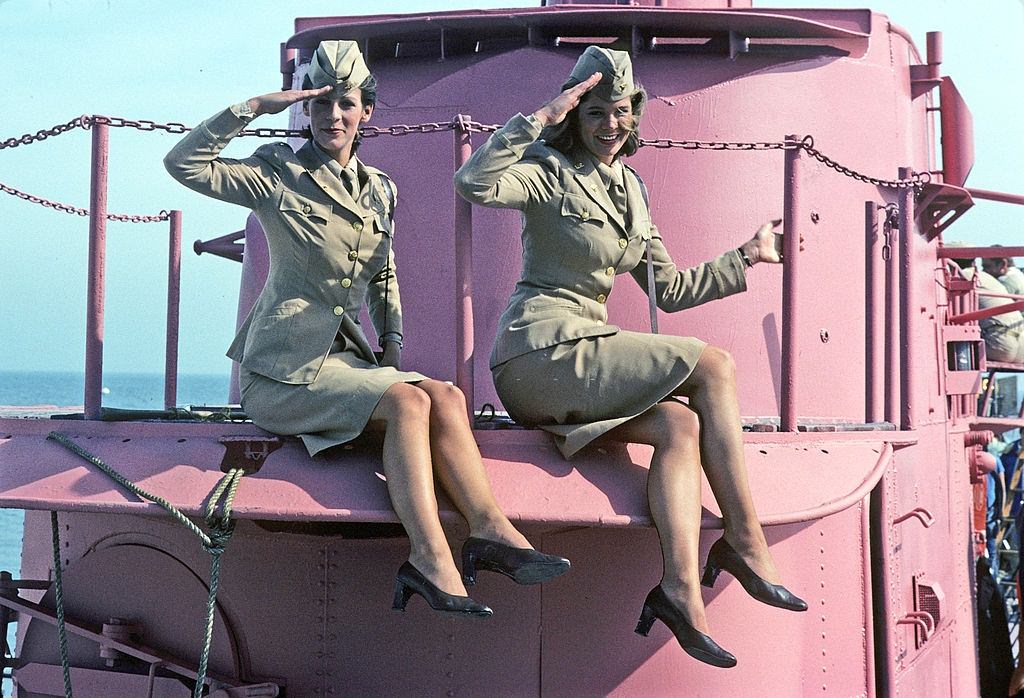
125 390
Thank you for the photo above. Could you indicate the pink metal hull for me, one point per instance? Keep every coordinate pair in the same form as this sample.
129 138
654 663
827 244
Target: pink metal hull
860 522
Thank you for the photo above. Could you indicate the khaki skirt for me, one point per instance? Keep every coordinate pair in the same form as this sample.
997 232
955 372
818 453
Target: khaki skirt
579 390
333 409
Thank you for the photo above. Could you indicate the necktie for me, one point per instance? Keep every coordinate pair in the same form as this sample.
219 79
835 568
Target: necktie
351 182
618 195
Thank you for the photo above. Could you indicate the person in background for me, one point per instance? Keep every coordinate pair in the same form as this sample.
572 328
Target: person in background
1003 269
306 367
585 221
1003 333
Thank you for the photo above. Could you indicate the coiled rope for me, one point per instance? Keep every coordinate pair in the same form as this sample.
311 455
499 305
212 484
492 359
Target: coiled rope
217 515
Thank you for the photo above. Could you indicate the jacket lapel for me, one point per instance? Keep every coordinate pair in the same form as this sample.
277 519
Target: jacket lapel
590 181
324 179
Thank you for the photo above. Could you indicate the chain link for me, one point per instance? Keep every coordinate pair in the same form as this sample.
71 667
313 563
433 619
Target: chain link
43 134
86 122
807 144
65 208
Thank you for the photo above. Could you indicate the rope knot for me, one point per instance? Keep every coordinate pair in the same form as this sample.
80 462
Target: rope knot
220 534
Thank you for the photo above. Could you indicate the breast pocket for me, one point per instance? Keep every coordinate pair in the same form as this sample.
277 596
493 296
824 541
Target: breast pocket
581 211
304 211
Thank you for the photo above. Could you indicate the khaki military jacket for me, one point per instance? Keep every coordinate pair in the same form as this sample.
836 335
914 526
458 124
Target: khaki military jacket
328 253
575 242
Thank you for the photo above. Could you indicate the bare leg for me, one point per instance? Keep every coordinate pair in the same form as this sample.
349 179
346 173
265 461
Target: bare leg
403 413
711 389
673 492
459 468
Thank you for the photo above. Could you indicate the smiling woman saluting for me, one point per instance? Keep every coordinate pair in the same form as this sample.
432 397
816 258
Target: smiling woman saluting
307 368
558 365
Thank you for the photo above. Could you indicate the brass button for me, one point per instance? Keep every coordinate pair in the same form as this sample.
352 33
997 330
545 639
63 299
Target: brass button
610 271
353 255
585 215
338 310
622 243
601 298
358 225
306 208
346 283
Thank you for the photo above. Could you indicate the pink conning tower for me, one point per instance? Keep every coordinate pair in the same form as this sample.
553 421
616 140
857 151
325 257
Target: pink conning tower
857 378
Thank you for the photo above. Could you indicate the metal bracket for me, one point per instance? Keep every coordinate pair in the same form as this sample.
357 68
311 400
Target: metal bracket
247 452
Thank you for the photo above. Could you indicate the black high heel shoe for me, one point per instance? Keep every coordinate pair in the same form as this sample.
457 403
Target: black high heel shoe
694 642
722 556
523 565
410 580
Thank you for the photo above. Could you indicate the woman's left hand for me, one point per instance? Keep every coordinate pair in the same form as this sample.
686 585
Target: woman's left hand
766 245
392 356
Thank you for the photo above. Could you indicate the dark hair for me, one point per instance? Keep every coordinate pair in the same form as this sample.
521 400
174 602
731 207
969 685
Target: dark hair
564 136
367 94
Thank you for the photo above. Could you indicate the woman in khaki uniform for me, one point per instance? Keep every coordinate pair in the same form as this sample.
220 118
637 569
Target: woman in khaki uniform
585 221
307 368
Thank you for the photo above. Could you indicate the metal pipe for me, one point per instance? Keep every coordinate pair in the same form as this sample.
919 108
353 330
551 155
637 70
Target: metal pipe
790 270
996 196
173 316
93 399
983 252
908 307
874 316
933 47
463 220
869 600
884 612
985 313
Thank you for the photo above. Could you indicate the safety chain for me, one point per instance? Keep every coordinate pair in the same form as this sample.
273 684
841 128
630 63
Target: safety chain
807 144
57 206
43 134
461 123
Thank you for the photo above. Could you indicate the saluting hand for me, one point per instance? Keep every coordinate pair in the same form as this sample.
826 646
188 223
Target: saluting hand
276 102
554 111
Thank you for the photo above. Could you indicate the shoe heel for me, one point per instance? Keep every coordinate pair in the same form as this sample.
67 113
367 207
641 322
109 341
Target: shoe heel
643 626
468 569
402 595
711 571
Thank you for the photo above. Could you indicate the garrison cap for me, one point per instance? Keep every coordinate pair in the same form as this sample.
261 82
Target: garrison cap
338 64
616 73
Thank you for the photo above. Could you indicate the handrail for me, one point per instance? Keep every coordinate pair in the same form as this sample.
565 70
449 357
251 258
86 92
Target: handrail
996 196
841 504
988 252
985 313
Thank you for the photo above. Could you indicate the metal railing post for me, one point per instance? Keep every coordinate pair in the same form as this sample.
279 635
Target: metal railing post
463 221
908 306
892 334
93 399
790 269
875 327
173 312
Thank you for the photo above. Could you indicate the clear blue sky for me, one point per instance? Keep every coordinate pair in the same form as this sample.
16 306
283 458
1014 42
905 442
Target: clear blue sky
181 61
